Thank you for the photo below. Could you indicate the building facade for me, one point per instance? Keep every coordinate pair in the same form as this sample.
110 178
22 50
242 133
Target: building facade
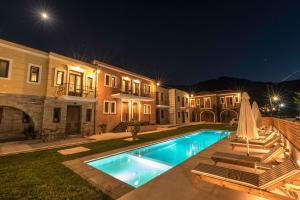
179 110
124 97
162 105
219 106
45 91
68 97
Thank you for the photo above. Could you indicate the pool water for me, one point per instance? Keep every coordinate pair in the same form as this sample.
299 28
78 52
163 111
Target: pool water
138 166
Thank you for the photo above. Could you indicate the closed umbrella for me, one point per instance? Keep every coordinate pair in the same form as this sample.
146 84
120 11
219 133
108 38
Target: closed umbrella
256 114
247 125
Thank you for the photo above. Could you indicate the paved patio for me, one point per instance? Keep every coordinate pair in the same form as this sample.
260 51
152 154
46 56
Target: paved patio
24 146
177 183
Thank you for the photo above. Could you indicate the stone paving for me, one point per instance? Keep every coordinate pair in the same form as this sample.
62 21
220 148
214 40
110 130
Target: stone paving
15 147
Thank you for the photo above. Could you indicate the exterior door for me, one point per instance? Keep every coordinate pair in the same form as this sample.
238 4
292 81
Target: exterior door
125 112
75 84
73 120
135 112
158 116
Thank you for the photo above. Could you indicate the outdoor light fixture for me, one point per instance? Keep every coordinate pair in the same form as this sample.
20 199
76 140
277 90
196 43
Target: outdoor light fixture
275 98
282 105
158 83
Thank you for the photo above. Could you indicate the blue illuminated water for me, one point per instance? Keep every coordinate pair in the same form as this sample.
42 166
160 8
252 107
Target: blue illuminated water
138 166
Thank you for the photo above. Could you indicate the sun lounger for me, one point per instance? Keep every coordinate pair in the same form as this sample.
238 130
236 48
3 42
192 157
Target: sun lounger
287 169
255 143
248 161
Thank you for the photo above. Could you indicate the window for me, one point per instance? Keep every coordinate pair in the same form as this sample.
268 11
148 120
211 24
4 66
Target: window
110 107
178 114
34 73
60 77
192 102
147 109
107 80
186 100
4 68
236 99
56 115
26 118
198 102
162 114
113 81
88 115
147 89
1 114
222 100
187 115
207 102
162 96
106 107
178 98
89 83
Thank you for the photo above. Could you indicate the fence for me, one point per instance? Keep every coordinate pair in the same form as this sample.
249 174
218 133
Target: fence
291 130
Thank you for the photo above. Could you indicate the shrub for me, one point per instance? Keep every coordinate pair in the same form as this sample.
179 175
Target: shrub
29 132
135 130
103 128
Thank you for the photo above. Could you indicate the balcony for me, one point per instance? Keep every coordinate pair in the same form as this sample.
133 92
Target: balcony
71 90
164 102
133 95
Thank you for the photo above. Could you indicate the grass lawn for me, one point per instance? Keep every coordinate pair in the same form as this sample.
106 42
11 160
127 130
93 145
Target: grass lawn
40 175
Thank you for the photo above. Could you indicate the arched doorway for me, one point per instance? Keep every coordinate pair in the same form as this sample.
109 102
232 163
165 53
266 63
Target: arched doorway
207 116
227 115
13 122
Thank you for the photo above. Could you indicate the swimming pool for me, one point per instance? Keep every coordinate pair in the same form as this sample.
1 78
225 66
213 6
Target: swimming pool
138 166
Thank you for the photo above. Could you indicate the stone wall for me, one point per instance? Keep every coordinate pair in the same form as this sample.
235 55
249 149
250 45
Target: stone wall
86 128
31 105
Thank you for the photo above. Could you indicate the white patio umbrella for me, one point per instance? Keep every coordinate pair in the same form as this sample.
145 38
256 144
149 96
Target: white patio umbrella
256 114
247 126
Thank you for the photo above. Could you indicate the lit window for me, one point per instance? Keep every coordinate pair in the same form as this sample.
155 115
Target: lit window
147 89
113 81
88 116
34 73
147 109
56 115
90 83
4 68
198 102
222 100
60 77
192 102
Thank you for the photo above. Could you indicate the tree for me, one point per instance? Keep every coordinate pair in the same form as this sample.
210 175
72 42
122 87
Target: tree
297 98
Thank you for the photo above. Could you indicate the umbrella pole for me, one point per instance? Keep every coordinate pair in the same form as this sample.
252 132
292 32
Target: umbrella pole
248 150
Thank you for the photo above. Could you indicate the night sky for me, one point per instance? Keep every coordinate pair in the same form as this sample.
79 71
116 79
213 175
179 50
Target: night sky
180 42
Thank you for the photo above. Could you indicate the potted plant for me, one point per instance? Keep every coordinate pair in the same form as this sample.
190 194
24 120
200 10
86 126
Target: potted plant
103 128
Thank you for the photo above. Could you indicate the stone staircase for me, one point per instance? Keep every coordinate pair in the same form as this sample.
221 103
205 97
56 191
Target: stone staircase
121 127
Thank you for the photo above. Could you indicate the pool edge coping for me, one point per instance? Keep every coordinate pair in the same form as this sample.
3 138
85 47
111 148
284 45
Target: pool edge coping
110 185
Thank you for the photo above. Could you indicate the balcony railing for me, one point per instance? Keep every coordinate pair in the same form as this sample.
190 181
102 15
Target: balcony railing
69 89
134 93
162 102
